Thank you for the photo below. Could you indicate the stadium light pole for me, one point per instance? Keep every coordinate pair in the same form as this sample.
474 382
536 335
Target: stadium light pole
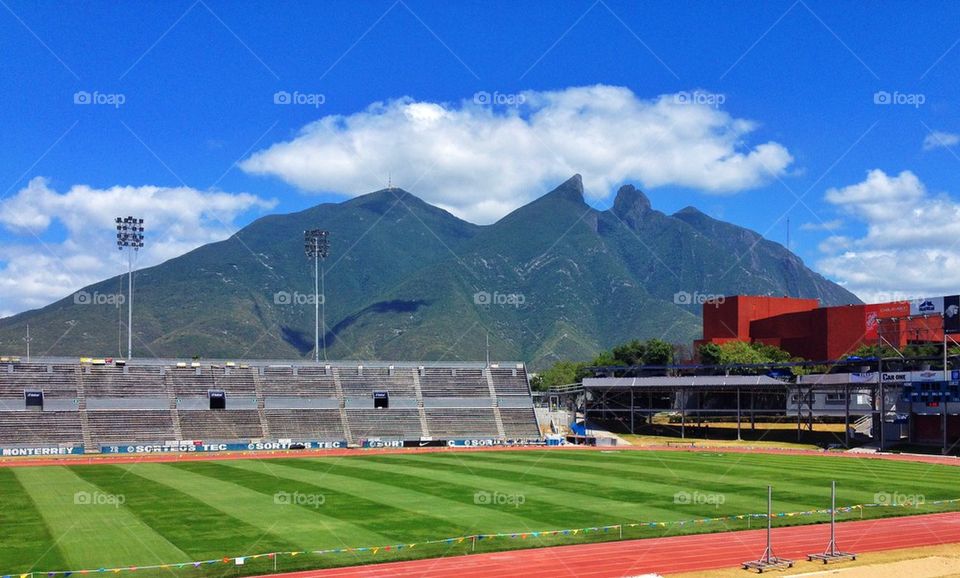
317 245
129 237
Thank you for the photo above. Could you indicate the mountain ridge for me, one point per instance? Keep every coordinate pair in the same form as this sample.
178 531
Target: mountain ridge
405 279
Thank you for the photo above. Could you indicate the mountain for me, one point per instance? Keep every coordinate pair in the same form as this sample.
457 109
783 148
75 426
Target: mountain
407 280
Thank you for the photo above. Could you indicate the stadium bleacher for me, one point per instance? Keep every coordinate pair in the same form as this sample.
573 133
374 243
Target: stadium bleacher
145 402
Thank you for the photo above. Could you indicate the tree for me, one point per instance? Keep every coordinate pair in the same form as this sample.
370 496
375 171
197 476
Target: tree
562 373
658 352
631 353
743 353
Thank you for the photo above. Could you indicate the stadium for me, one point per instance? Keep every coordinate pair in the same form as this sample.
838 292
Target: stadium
223 468
482 289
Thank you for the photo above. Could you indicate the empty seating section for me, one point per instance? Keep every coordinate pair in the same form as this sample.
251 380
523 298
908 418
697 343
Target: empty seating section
308 382
458 403
447 382
187 382
40 427
236 381
510 381
130 426
356 384
220 425
519 423
473 422
385 423
109 381
61 382
305 424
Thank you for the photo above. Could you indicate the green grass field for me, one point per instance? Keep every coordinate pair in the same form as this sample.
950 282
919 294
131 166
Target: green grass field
156 513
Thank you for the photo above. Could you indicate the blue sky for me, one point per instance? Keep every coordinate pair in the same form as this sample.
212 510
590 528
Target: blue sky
842 117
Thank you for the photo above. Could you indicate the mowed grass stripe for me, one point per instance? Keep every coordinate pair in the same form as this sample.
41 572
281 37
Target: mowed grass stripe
382 518
91 535
655 493
199 530
532 514
617 481
425 516
307 527
855 485
27 543
816 467
577 507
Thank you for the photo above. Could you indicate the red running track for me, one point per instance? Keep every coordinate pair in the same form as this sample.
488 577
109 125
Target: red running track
667 555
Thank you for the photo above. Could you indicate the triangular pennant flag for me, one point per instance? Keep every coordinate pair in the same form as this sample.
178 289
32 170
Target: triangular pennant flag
375 550
240 561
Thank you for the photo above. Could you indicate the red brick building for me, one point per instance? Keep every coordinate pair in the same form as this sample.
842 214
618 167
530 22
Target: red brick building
807 330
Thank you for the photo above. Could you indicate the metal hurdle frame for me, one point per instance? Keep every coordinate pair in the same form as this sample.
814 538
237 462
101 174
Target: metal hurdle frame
832 553
767 560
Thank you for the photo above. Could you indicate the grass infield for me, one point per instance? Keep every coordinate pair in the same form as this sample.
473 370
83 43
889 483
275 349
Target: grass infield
88 517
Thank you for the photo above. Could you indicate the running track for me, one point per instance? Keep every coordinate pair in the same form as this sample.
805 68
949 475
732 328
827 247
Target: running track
667 555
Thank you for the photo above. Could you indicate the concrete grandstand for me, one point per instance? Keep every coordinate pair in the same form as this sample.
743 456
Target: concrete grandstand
105 406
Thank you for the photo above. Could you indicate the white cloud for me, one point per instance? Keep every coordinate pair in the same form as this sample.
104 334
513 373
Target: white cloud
911 244
34 273
822 226
481 161
938 139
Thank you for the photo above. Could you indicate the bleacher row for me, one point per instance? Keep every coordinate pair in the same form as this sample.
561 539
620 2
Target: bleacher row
140 404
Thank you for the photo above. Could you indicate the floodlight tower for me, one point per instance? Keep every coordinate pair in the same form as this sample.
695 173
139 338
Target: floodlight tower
317 245
129 237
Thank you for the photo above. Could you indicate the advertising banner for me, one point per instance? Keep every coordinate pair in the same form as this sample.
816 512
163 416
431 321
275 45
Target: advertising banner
187 447
873 313
41 451
951 314
927 306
